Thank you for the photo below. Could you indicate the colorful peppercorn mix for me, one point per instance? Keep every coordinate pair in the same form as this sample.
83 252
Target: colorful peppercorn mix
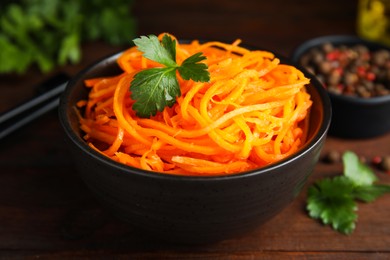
350 70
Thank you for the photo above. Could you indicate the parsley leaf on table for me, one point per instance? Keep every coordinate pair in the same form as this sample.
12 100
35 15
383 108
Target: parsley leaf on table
156 88
357 171
333 200
369 193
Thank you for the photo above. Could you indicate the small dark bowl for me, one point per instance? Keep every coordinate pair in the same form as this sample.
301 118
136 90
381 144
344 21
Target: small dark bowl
184 209
353 117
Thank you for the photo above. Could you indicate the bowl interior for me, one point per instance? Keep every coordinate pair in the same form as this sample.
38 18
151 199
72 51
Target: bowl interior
320 112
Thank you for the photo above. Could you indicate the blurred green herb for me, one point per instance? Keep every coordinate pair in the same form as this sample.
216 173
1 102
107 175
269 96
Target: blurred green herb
48 33
334 200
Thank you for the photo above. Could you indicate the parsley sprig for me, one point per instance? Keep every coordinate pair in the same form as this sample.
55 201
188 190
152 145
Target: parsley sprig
156 88
334 200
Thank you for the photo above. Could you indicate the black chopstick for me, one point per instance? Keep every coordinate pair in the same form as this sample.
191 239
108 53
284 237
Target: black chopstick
23 114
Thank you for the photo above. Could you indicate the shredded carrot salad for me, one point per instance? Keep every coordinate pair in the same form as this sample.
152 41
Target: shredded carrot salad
253 112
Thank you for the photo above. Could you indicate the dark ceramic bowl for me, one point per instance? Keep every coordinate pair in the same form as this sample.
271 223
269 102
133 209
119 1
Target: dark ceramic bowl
189 210
353 117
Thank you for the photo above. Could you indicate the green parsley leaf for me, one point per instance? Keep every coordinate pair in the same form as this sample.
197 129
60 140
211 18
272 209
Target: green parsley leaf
154 89
153 50
333 200
357 171
369 193
330 200
170 45
191 68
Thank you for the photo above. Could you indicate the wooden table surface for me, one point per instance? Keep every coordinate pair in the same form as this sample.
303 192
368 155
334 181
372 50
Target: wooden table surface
46 212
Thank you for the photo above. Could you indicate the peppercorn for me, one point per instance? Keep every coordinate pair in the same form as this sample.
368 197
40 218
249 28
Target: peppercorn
350 78
380 57
381 90
327 47
350 70
368 85
335 89
376 160
361 49
349 90
362 92
333 156
385 163
334 78
318 57
325 67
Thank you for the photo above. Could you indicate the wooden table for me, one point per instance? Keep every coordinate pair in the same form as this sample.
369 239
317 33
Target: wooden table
46 211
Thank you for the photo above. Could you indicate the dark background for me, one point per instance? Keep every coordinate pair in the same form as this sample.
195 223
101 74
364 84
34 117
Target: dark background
46 211
277 25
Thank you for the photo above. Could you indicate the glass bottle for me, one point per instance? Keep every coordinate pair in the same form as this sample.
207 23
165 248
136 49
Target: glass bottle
373 20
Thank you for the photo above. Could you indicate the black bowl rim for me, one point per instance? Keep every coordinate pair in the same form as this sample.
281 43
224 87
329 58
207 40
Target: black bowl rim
81 144
348 40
